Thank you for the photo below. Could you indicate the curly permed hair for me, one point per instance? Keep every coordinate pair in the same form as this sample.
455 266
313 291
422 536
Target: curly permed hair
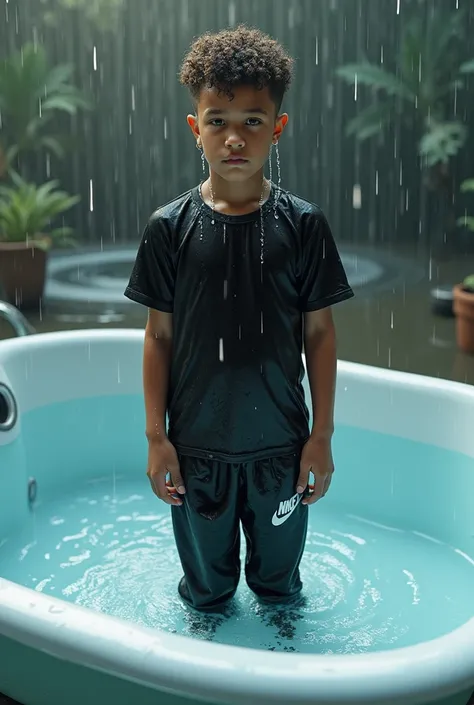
234 57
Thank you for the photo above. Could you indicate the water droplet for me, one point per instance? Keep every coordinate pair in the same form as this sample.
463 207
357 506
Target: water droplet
221 349
356 196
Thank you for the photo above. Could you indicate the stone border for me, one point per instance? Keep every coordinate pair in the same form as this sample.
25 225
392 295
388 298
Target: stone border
363 271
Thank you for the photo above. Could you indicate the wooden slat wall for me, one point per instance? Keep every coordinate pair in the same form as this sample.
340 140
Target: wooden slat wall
135 151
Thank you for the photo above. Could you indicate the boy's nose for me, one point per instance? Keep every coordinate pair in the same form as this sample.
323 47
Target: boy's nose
234 142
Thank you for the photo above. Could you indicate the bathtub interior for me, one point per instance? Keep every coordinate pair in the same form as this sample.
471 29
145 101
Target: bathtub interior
81 419
403 448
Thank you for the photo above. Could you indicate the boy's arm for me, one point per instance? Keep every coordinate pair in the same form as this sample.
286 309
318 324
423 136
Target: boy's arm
321 363
162 457
156 370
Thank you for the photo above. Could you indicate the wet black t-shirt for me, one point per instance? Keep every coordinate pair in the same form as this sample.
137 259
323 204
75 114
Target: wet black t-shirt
238 287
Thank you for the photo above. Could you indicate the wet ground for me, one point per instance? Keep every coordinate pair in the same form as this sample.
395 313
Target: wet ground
389 324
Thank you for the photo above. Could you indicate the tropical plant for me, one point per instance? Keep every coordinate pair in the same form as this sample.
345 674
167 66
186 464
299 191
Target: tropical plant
420 92
26 212
467 221
31 94
102 14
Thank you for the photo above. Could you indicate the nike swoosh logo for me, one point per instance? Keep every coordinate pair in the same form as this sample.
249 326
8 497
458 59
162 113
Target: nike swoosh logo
278 520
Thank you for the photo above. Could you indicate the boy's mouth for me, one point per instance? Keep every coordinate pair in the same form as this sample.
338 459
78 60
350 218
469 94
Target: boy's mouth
235 160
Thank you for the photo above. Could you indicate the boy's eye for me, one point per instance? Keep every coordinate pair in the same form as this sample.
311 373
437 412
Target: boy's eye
218 122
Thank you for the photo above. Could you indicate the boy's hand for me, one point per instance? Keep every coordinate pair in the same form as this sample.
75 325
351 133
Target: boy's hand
316 457
163 459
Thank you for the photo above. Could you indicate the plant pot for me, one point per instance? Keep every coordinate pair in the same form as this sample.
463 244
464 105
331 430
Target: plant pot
464 312
22 273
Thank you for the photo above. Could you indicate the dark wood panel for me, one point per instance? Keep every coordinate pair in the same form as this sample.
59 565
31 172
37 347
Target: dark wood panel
136 150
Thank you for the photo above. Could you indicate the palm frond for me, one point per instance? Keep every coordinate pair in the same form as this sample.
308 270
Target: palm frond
441 142
375 77
466 221
370 121
467 66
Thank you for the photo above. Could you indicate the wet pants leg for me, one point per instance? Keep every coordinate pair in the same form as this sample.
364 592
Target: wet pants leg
220 497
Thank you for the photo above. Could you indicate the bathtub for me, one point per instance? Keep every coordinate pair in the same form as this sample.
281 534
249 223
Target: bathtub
53 651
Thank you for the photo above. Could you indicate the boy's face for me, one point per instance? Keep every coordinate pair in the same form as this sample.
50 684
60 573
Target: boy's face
236 135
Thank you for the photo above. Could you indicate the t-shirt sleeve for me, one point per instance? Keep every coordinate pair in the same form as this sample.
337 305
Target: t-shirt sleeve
323 280
152 279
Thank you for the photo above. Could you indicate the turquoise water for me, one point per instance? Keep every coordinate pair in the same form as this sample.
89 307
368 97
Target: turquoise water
108 545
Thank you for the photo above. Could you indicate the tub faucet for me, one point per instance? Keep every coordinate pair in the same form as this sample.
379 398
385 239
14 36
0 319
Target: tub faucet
16 319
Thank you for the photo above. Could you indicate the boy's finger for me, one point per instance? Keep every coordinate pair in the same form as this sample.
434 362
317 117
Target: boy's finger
177 481
159 483
317 490
302 480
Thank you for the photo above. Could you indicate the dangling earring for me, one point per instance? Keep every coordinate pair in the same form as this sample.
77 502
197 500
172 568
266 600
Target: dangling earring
270 162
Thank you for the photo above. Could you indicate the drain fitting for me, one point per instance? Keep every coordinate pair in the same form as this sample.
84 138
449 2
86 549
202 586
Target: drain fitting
8 409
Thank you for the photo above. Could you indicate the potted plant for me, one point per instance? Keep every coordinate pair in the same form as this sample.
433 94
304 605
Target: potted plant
26 212
464 292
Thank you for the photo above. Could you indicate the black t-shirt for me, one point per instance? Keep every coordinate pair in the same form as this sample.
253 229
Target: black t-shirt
238 299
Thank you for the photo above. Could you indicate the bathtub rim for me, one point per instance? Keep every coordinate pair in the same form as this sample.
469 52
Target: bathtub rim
11 346
441 667
155 658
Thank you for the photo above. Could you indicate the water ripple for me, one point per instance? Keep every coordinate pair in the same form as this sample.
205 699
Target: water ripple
366 587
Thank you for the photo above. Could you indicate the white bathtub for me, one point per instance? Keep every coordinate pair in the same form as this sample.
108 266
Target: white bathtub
58 652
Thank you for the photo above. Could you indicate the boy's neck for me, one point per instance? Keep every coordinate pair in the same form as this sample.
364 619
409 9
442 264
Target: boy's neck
235 196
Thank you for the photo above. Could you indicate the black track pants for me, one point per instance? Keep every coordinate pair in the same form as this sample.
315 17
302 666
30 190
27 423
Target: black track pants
219 496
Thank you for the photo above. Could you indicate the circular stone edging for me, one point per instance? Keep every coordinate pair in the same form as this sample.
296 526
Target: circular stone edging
102 289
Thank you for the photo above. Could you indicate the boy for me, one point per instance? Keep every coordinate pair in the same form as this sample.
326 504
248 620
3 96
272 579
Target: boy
236 274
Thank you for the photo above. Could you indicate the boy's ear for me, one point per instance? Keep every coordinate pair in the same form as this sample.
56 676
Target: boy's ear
193 124
280 124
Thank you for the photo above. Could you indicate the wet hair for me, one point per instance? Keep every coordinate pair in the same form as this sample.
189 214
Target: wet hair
237 57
